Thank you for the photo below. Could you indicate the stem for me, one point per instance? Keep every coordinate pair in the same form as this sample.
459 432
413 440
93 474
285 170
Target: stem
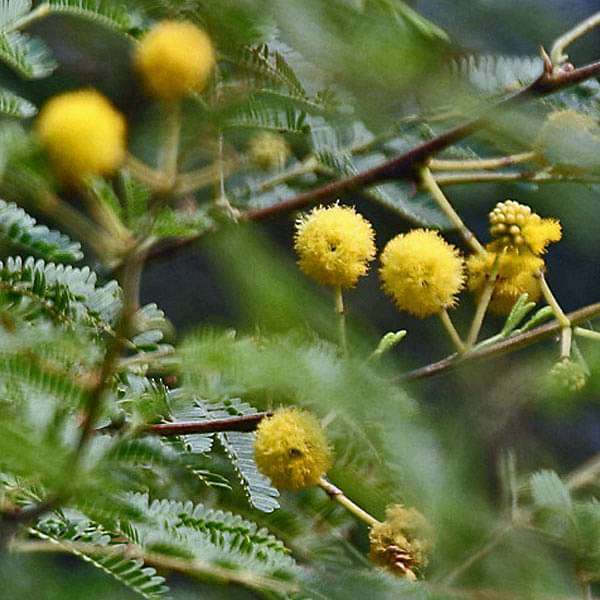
586 590
482 305
144 173
131 268
482 163
587 333
338 496
510 344
449 326
170 150
566 333
403 166
557 54
586 474
341 317
538 177
238 423
434 189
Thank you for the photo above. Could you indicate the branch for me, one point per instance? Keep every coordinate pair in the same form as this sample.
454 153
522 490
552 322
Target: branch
241 423
403 166
508 345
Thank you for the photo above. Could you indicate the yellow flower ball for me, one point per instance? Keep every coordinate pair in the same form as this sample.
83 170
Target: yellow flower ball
83 134
516 227
175 58
268 151
517 275
334 245
401 543
291 449
422 272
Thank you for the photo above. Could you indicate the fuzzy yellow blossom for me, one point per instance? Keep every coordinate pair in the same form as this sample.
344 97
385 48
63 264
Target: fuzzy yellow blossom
268 151
402 542
83 134
291 449
334 245
517 274
422 272
175 58
516 227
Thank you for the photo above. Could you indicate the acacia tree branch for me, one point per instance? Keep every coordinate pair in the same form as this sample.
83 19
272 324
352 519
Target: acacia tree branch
403 166
509 344
237 423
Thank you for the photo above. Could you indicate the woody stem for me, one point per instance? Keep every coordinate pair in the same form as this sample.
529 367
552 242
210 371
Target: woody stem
341 317
338 496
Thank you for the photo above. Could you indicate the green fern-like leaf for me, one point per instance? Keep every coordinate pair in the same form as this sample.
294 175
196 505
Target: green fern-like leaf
498 74
110 14
256 114
28 56
17 227
195 531
66 294
111 559
14 106
11 10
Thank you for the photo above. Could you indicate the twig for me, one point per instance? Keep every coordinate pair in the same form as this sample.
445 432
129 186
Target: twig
481 163
338 496
434 189
449 327
482 305
170 150
539 177
587 333
585 474
403 166
238 423
341 317
557 54
566 332
509 344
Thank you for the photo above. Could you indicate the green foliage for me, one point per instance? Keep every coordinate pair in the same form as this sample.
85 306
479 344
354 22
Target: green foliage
18 228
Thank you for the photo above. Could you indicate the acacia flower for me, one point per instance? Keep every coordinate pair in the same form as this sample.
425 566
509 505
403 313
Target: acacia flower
268 150
175 58
402 542
334 245
291 449
518 273
422 272
516 227
83 134
568 375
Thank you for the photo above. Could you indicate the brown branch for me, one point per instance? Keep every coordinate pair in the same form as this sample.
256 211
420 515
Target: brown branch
238 423
510 344
403 166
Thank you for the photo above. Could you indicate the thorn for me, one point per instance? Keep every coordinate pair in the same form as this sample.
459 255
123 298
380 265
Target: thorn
548 68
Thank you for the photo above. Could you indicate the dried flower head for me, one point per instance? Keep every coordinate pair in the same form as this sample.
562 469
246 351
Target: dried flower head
268 151
175 58
568 375
402 542
518 273
83 134
334 245
291 449
422 272
516 227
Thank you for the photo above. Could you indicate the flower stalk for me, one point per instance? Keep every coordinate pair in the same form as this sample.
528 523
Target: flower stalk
337 495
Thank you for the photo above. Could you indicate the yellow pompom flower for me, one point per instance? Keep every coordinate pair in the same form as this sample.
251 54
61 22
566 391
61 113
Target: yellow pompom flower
516 227
517 275
268 151
401 543
83 134
422 272
291 449
334 245
175 58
